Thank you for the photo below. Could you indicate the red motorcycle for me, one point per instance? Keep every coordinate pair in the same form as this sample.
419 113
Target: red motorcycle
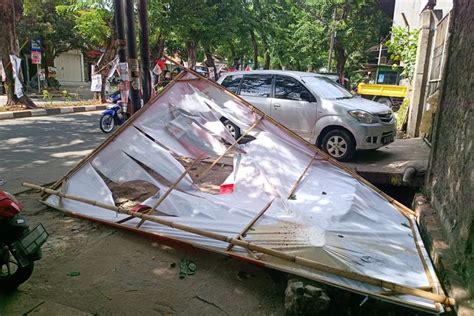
20 246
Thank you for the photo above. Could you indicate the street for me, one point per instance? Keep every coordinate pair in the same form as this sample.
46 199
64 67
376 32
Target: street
29 145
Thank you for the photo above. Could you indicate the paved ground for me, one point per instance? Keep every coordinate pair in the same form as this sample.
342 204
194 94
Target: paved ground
42 149
386 165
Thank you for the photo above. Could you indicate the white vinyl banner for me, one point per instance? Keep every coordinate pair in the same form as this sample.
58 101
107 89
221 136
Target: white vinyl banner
296 200
3 75
96 83
16 64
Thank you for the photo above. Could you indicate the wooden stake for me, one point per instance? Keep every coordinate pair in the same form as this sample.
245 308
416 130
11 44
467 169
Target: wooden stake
402 289
171 188
205 172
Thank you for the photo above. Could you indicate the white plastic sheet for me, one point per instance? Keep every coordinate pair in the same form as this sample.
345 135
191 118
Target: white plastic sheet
332 218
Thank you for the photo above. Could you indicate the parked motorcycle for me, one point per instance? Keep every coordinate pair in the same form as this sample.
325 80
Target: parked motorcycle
20 246
112 116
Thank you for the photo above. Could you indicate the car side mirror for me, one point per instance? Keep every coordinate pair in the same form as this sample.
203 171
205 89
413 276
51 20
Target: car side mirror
306 96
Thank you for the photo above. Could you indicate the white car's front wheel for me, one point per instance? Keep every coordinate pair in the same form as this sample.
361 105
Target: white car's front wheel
339 145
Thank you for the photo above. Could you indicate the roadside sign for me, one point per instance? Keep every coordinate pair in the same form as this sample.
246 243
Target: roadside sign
35 57
96 84
36 45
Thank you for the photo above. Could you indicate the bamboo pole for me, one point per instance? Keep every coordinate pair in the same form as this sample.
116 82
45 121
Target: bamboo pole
402 289
260 214
205 172
296 184
251 223
171 188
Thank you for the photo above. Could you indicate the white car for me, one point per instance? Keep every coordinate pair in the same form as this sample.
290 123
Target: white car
316 108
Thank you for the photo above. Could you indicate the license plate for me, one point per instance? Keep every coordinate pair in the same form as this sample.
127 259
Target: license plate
29 244
387 139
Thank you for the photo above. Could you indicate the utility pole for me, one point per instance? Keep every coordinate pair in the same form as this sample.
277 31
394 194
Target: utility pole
144 48
119 26
134 69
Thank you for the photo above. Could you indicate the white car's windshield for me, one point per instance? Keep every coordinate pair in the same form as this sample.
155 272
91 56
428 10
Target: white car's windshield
326 88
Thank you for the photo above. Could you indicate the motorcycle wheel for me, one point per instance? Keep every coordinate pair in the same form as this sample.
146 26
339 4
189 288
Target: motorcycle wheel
107 123
12 274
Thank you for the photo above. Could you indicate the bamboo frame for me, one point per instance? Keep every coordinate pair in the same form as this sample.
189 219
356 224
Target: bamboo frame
405 211
402 289
203 174
171 188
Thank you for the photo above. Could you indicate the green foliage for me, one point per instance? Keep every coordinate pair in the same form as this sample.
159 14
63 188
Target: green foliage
402 112
41 20
291 34
92 20
47 96
402 47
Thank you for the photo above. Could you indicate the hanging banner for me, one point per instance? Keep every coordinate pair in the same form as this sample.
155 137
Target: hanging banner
3 75
125 84
36 58
123 71
96 85
16 64
113 67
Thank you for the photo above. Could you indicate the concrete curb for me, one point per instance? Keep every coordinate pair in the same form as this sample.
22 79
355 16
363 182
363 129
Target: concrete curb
51 111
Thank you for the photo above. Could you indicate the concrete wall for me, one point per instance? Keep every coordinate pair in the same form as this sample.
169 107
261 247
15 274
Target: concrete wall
451 171
412 10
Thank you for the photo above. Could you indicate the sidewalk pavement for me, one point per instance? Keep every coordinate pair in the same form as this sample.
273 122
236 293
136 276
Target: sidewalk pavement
50 111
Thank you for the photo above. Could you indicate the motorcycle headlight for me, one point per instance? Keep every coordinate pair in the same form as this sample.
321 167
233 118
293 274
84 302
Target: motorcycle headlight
363 116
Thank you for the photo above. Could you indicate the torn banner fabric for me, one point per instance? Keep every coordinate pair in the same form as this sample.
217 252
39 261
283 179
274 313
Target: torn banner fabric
176 161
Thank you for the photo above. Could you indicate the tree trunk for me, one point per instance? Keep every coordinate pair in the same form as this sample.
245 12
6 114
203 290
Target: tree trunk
191 47
159 48
341 58
266 62
210 60
10 14
266 56
255 49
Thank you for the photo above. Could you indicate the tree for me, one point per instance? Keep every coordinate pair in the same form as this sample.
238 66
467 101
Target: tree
41 19
402 47
94 23
358 25
10 13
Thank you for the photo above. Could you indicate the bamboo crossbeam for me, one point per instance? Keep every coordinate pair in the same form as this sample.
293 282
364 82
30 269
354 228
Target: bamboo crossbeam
205 172
297 183
171 188
402 289
260 214
251 223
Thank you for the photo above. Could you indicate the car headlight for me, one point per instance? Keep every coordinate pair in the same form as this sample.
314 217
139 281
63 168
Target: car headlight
363 116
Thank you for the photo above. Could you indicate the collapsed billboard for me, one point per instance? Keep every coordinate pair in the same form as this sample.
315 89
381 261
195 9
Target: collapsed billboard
174 171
